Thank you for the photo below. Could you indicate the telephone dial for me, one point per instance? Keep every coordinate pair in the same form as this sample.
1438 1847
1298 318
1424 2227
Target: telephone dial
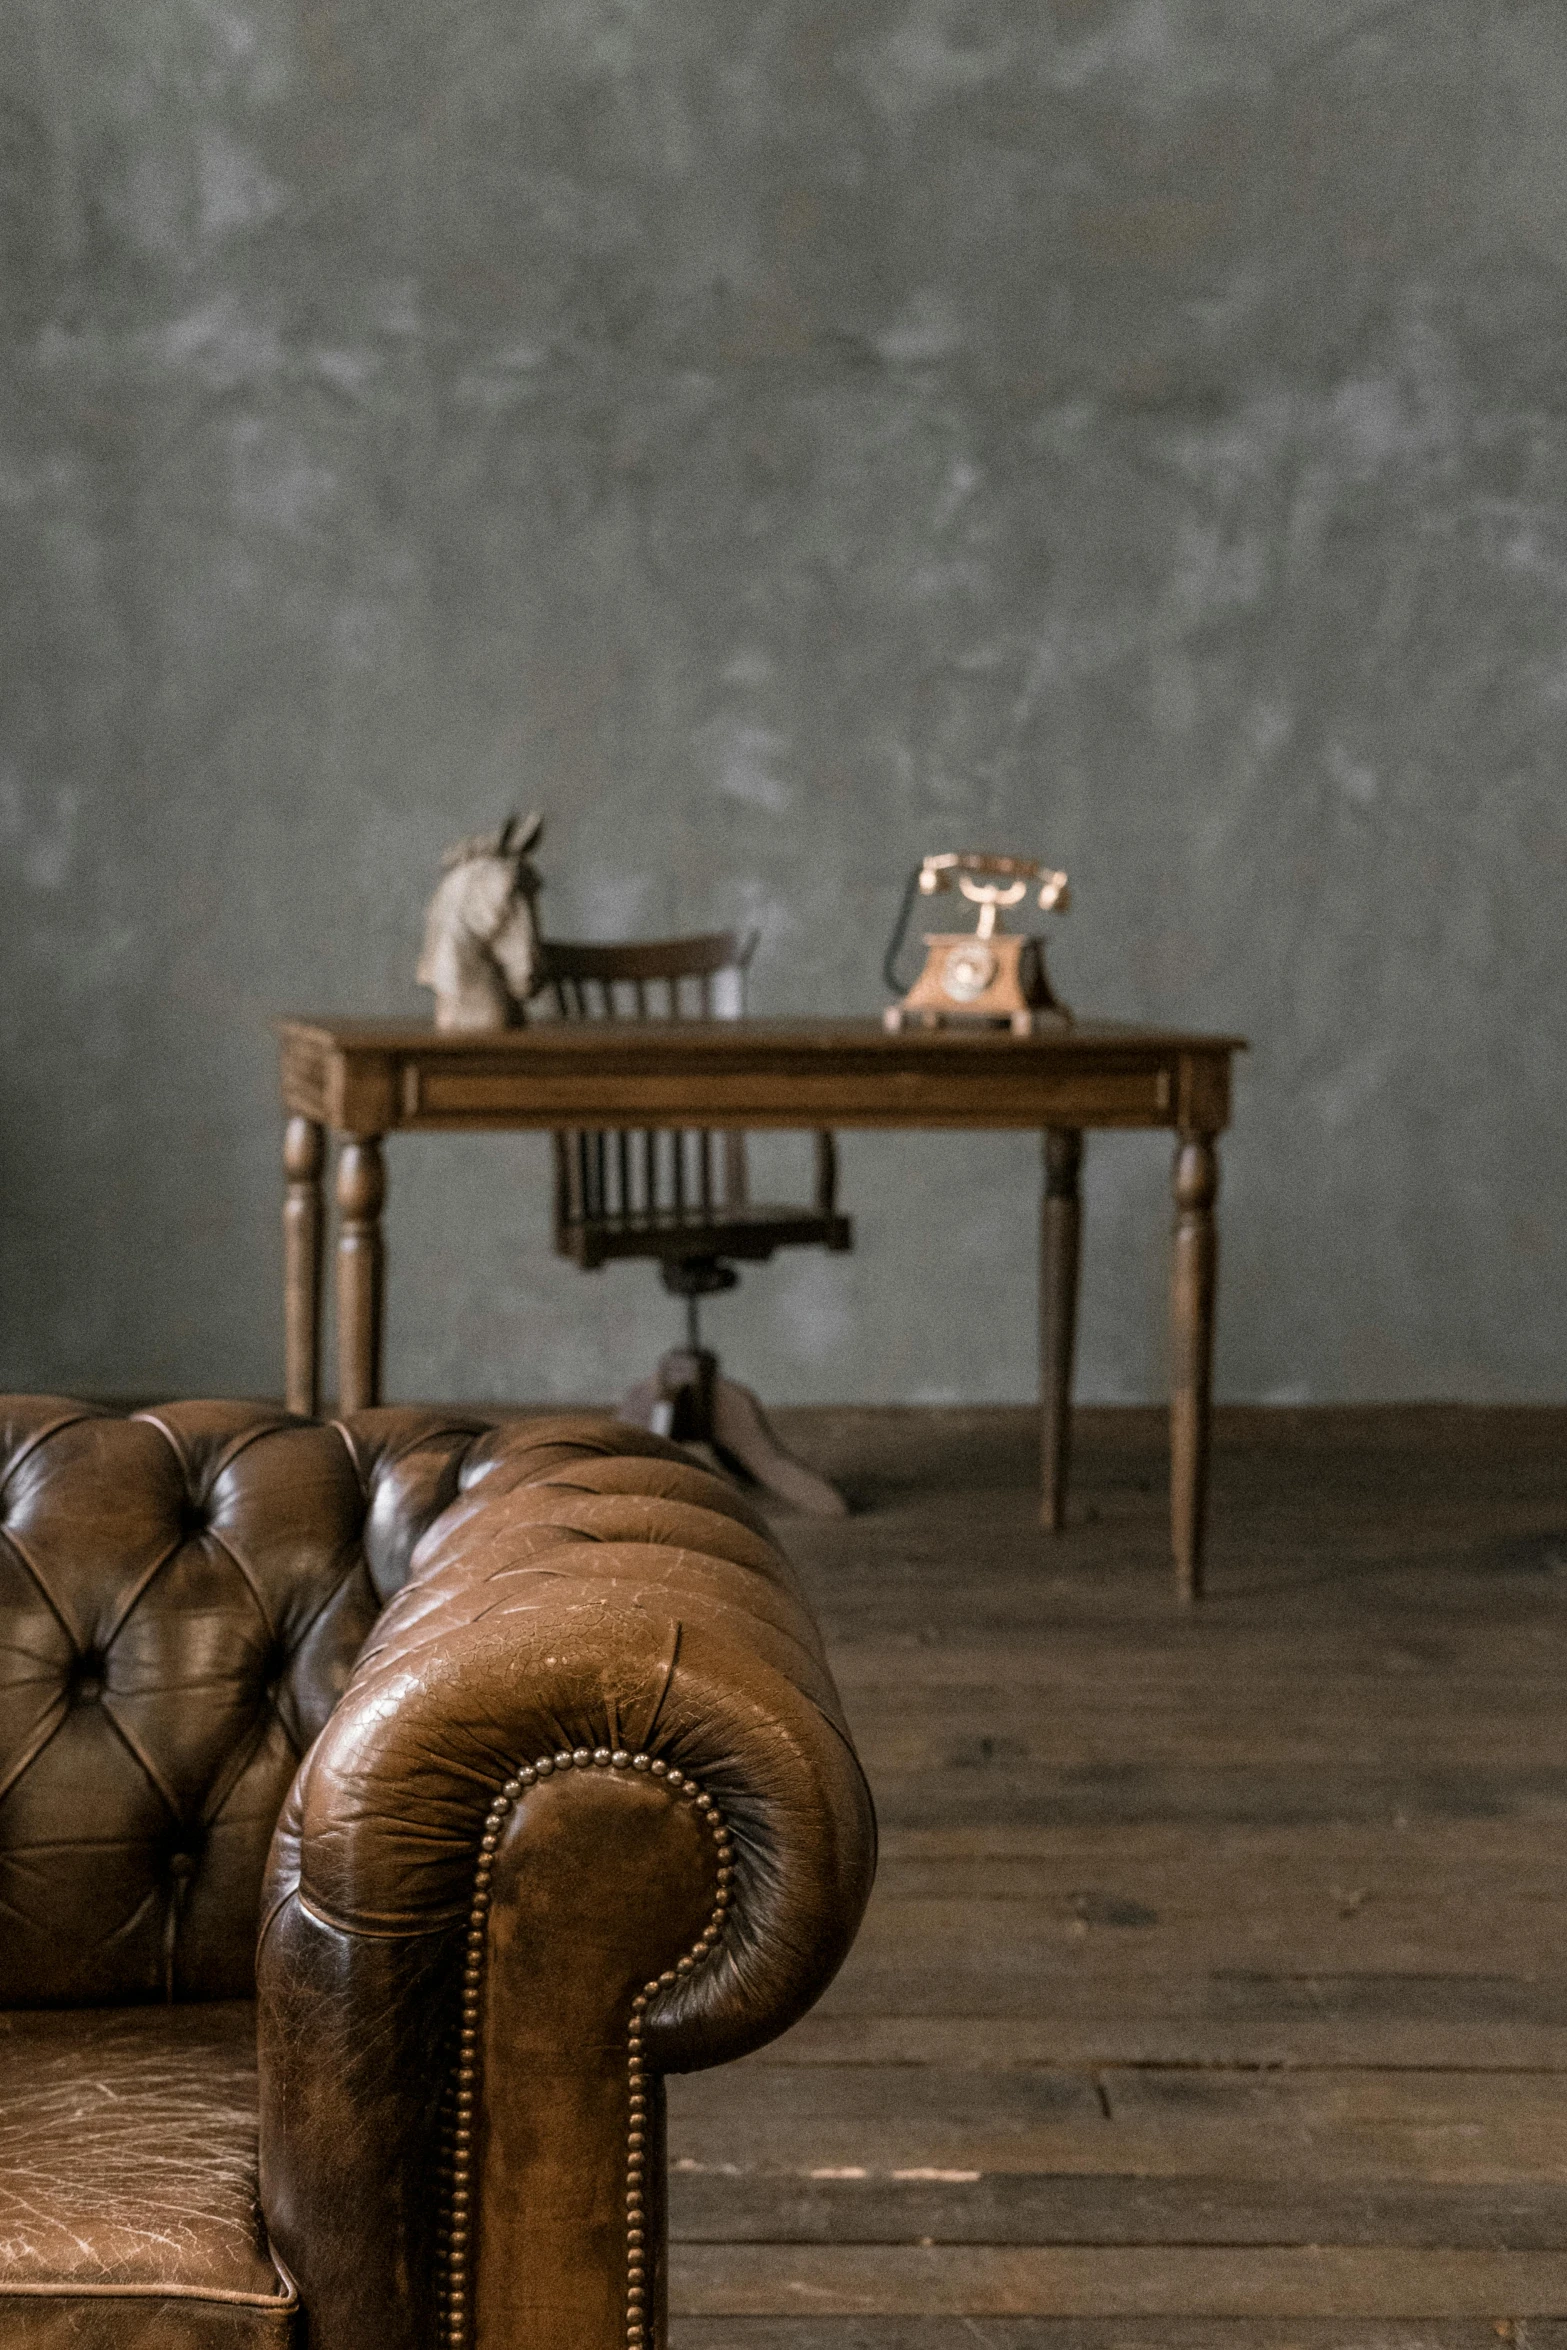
987 975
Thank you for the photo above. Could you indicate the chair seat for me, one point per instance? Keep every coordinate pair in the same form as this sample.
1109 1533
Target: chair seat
749 1230
128 2203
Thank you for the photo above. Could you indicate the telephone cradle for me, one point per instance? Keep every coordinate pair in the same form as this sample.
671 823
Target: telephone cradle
986 977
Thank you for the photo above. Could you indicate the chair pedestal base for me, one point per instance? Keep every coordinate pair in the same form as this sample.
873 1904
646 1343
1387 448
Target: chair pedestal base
690 1400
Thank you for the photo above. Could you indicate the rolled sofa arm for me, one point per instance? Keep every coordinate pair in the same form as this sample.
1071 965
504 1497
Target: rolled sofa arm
586 1814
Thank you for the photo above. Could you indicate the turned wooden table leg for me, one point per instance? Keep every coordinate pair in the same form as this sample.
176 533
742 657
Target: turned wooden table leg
304 1153
361 1190
1060 1255
1193 1272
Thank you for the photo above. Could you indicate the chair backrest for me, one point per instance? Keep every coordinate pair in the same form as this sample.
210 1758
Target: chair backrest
666 1176
700 978
183 1592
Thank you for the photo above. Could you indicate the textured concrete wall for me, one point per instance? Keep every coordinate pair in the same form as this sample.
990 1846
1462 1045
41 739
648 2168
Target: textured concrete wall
779 438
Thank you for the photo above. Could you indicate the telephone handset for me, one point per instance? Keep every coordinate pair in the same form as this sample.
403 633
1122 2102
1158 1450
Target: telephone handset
987 974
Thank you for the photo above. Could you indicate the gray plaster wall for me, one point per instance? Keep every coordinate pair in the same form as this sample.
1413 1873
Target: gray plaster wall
778 439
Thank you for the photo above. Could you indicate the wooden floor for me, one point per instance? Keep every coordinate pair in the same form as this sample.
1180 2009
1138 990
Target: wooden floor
1214 1992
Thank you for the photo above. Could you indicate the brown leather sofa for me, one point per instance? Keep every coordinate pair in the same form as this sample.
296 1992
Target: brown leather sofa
385 1807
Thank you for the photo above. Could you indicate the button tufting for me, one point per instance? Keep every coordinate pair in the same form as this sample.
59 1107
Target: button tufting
182 1864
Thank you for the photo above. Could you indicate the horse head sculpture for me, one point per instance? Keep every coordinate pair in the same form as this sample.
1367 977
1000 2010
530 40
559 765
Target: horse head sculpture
481 934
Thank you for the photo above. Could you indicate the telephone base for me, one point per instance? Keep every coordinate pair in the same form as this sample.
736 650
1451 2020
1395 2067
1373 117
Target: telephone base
990 979
1039 1022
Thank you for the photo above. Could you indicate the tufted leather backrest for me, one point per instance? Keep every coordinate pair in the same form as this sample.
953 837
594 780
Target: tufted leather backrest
183 1592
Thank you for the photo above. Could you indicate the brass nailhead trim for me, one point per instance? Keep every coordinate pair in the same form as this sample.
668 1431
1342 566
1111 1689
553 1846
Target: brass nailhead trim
455 2234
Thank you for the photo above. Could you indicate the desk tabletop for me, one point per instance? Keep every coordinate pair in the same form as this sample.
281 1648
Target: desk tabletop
375 1076
549 1034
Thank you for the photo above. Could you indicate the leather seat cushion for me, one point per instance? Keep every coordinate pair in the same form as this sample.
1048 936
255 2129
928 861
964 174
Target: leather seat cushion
128 2204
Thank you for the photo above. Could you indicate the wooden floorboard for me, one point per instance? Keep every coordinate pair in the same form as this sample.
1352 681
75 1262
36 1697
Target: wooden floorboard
924 2332
1124 2280
1016 2207
1214 1990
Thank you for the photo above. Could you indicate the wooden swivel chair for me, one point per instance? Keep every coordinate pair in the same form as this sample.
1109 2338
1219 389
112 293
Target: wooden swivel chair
682 1198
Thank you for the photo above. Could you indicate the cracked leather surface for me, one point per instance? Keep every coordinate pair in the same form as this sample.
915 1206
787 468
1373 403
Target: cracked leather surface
128 2167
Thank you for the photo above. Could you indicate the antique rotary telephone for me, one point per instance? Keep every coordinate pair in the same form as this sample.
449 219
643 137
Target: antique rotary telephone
984 975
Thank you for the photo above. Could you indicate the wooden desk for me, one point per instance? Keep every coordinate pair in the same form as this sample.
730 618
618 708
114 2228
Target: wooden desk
365 1079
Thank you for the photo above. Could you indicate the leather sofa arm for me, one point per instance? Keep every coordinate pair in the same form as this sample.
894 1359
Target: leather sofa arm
586 1814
